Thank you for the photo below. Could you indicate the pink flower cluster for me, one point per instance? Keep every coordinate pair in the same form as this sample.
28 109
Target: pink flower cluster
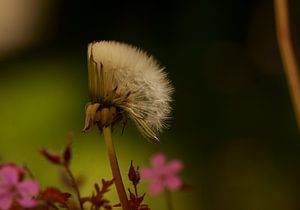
162 175
15 190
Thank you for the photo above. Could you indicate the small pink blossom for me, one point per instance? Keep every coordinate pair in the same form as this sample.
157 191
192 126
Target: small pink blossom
162 175
14 189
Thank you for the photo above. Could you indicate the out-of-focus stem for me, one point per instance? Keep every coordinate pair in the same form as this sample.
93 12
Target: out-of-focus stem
74 184
288 54
169 200
115 168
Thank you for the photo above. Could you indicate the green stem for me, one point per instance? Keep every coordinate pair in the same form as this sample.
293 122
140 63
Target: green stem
115 168
169 200
74 184
136 191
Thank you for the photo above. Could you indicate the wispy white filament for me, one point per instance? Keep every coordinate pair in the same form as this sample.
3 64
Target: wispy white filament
126 77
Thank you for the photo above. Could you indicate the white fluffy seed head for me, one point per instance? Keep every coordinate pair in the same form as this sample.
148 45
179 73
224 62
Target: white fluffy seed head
124 76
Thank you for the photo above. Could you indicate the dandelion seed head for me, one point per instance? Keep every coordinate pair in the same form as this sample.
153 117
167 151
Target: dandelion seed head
124 76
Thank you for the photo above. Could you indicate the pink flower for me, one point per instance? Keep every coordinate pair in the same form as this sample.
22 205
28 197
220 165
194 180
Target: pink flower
14 189
162 175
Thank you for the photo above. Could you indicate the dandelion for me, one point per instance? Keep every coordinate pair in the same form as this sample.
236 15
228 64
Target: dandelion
130 81
14 189
125 82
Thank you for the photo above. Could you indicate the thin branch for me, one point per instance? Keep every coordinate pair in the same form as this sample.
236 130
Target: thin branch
74 184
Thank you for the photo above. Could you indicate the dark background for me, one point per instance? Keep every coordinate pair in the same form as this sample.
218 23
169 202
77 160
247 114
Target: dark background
233 123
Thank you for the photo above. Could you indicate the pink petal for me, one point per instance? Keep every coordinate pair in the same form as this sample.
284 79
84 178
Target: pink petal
5 201
158 160
28 188
9 174
147 174
4 187
174 166
173 182
27 202
155 188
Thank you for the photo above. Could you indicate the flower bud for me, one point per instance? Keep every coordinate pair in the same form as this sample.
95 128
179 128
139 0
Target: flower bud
133 174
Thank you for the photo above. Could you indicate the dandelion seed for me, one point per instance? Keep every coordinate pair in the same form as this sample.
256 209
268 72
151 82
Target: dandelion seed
129 83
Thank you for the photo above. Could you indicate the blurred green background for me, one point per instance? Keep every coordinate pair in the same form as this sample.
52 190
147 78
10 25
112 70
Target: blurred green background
233 123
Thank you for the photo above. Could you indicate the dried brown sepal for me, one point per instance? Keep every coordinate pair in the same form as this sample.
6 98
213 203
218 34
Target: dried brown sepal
135 202
106 185
90 117
52 196
97 199
53 158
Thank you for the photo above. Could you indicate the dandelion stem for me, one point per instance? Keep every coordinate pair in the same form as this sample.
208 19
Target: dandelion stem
288 54
169 200
74 184
115 168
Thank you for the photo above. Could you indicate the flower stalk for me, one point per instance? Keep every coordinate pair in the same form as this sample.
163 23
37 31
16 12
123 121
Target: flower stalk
74 184
288 54
169 200
115 168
